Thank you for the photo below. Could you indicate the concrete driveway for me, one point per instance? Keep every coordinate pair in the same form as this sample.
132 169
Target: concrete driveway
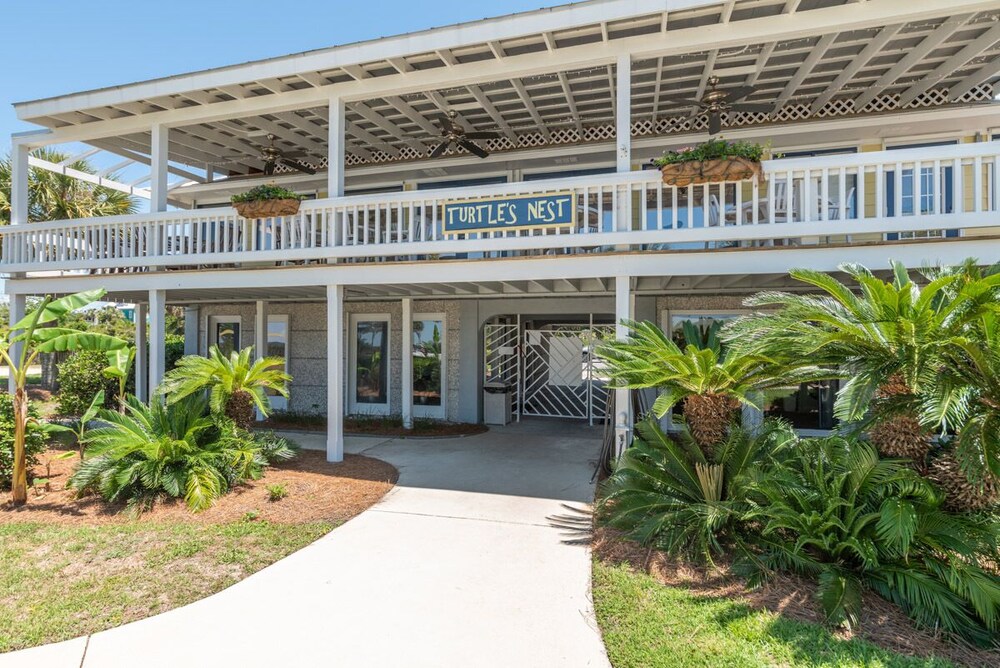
471 561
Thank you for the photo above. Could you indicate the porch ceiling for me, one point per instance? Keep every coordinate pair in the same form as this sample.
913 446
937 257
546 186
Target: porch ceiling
652 285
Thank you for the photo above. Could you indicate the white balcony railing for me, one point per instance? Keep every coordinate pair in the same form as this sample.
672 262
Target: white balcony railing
887 195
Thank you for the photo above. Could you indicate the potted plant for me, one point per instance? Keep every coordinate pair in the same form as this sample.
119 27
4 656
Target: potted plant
267 201
715 160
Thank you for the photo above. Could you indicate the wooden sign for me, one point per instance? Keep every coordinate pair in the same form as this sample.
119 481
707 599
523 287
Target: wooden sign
494 214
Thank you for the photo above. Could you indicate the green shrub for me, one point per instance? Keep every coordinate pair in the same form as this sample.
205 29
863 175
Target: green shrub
838 512
711 150
264 192
277 492
668 494
34 442
176 451
81 377
174 351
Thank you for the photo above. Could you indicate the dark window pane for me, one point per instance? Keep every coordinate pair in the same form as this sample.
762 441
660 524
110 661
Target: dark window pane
372 357
227 337
427 362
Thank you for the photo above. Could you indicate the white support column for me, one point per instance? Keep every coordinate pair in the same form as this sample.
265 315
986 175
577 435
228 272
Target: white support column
407 382
260 329
19 183
623 406
334 373
141 354
158 164
335 142
192 316
623 114
18 309
157 338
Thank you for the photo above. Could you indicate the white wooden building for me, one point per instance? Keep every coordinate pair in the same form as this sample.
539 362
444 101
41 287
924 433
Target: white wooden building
880 117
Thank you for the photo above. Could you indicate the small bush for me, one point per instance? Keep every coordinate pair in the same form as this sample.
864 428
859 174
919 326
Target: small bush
277 492
34 441
81 377
264 192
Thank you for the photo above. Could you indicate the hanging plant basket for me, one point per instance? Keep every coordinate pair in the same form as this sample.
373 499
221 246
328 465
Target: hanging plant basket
710 171
268 208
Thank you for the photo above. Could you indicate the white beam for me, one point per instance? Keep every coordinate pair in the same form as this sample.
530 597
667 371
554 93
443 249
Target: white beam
926 45
805 69
192 319
335 373
335 170
20 159
159 158
407 374
988 70
857 64
141 353
128 188
623 114
948 67
157 338
260 329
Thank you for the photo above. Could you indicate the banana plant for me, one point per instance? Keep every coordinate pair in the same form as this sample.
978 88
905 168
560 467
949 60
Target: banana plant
120 368
20 347
79 428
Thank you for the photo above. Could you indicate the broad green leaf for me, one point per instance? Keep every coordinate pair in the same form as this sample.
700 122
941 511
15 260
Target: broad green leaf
81 341
57 308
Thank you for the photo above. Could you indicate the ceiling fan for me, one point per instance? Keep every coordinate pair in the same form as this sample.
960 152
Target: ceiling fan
715 102
453 134
273 156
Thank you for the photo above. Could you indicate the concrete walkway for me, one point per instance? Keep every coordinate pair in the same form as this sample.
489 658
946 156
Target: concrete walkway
471 561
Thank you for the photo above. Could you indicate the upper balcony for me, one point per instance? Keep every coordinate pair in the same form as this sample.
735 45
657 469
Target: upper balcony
860 198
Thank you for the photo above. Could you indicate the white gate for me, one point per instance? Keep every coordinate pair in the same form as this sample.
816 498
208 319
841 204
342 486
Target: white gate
561 374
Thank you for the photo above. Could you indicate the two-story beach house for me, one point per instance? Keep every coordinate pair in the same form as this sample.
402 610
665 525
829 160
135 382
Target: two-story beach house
479 206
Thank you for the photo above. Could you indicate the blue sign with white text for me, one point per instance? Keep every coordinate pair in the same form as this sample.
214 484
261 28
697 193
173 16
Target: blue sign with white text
502 213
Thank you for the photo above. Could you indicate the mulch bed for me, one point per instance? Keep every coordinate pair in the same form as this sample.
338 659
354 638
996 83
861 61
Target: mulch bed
882 624
317 491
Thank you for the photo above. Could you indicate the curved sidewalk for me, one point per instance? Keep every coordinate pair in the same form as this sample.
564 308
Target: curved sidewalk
470 561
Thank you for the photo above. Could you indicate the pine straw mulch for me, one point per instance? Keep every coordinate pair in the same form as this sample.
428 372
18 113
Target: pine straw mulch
316 491
883 623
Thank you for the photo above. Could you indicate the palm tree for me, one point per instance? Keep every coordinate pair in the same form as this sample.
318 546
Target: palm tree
711 384
890 335
54 196
236 384
20 347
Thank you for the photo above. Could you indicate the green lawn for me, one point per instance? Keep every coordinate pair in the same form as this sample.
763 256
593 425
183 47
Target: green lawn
648 625
59 582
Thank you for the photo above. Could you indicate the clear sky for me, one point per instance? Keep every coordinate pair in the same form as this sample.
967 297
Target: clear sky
52 47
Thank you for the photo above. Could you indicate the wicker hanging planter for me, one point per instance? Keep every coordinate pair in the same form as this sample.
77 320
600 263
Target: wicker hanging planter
710 171
268 208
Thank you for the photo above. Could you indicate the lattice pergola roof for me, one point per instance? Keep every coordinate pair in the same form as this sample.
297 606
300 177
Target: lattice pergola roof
929 61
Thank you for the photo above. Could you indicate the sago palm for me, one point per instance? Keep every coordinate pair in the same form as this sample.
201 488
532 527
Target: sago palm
711 384
889 335
236 384
666 494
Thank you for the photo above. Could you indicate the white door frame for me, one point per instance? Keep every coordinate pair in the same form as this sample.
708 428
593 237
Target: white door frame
353 407
277 401
436 412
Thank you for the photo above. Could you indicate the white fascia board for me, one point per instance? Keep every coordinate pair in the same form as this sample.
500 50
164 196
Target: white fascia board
916 254
764 29
426 41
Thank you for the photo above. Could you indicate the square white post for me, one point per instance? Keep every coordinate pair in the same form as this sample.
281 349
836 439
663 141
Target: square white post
157 338
159 147
19 183
335 373
335 143
191 315
623 403
141 354
407 383
260 329
623 114
18 308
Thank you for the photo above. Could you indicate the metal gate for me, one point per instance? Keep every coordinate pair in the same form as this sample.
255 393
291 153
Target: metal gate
553 372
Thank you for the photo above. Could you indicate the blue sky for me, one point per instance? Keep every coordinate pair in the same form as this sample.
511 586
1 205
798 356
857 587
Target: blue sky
53 47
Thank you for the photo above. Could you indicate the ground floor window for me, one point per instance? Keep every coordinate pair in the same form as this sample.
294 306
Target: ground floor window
429 365
224 332
277 346
369 381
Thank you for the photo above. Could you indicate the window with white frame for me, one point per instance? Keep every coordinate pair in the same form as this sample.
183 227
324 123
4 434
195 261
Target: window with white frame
429 365
368 371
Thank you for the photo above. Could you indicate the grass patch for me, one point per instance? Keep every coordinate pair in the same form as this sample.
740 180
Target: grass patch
59 582
649 625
